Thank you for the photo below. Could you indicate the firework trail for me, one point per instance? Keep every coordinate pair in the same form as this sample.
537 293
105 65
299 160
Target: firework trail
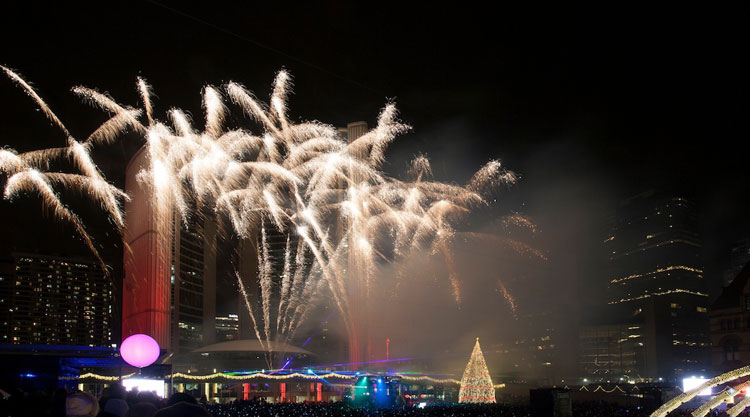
28 171
264 343
308 181
508 297
286 280
264 273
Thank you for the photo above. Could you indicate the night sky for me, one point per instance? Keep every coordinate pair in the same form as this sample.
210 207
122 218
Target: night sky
589 106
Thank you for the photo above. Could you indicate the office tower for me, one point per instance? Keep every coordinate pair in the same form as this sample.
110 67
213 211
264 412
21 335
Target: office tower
360 340
193 282
655 276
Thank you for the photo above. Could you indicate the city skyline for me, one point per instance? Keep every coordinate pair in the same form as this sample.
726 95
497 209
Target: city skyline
613 129
319 208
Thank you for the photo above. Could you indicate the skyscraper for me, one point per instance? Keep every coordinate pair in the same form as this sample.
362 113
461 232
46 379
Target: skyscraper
655 276
193 282
360 341
147 260
169 287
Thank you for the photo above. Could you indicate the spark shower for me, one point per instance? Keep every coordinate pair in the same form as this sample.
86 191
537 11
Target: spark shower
343 218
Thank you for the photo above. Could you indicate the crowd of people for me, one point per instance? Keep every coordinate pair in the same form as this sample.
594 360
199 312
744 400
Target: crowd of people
115 401
249 408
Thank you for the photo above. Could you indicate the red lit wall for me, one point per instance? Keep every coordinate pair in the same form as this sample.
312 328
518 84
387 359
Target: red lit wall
146 261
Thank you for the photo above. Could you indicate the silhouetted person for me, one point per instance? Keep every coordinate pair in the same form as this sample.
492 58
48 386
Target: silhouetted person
181 397
144 409
81 404
115 408
183 409
58 402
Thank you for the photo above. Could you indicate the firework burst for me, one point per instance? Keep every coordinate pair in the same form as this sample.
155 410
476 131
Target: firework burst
341 217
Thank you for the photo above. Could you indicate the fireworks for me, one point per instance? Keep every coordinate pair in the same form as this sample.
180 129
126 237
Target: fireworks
341 216
28 173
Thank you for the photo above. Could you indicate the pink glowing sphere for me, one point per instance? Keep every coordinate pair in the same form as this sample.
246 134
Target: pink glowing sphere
139 350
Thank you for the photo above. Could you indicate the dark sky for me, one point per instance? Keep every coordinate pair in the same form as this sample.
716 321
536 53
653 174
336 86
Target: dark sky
588 105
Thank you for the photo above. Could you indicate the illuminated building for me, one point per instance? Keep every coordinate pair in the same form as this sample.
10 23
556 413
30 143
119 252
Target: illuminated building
227 328
169 287
147 261
58 301
730 325
612 352
6 291
353 130
655 277
193 282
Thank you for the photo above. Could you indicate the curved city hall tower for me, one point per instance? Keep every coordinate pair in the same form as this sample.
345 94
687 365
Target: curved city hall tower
360 341
169 285
147 261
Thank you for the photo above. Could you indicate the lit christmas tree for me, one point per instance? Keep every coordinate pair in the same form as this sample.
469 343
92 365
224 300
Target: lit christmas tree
476 384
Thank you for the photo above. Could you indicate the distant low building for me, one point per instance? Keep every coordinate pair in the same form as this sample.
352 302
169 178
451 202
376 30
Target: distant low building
730 325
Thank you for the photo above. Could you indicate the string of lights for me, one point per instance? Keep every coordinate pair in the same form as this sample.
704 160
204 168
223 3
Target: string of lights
658 271
430 379
739 407
311 376
675 402
726 395
678 290
98 377
616 388
713 402
262 375
476 383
